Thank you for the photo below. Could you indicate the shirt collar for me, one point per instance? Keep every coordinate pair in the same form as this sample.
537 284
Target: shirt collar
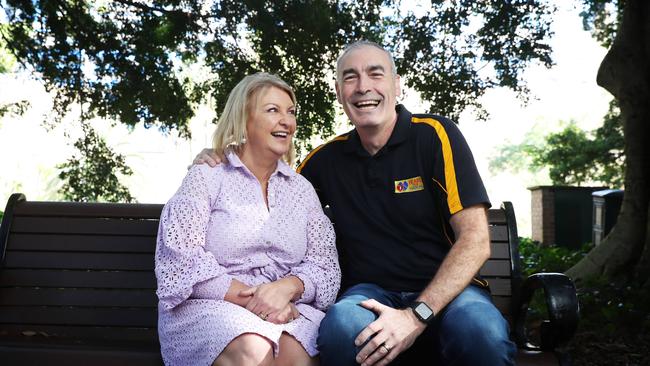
282 167
400 133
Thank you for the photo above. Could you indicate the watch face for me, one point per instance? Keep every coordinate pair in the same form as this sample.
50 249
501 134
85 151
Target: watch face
423 311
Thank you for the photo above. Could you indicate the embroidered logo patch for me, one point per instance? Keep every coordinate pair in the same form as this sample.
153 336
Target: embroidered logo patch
409 185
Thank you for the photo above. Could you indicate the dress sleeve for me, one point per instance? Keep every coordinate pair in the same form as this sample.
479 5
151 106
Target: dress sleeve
319 270
181 259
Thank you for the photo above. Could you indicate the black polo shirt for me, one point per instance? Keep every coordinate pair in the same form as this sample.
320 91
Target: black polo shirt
391 210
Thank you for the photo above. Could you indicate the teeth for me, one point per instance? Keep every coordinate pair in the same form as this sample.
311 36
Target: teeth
280 134
366 103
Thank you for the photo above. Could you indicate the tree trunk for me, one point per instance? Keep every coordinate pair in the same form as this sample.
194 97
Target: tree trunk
625 72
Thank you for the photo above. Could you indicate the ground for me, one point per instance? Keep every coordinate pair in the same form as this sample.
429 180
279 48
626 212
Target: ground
591 348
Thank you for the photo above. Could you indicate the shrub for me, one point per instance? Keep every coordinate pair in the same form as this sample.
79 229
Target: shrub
614 306
538 258
610 306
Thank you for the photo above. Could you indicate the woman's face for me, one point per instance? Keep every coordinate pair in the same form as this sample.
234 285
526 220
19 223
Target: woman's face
271 123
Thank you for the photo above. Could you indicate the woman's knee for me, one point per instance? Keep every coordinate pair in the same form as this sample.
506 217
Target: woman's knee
247 349
292 353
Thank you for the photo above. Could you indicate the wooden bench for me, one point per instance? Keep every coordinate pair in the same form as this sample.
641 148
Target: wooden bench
77 285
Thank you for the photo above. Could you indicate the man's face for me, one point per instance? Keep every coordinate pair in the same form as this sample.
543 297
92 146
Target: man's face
367 87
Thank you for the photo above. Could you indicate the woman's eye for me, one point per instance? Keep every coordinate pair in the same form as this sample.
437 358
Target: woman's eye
272 109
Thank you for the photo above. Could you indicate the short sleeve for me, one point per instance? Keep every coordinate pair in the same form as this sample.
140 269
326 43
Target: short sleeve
454 169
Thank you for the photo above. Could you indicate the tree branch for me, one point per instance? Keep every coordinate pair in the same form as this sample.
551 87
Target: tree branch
145 6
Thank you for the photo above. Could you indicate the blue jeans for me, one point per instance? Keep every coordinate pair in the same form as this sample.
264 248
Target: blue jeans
469 331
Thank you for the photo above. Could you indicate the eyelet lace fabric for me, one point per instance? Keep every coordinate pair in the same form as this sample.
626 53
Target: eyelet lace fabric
217 227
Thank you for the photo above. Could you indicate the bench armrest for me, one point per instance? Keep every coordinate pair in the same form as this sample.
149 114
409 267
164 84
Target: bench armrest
5 223
562 305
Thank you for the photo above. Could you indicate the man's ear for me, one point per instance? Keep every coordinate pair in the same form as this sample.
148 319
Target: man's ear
338 92
398 86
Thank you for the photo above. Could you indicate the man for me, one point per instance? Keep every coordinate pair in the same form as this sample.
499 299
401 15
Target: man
410 214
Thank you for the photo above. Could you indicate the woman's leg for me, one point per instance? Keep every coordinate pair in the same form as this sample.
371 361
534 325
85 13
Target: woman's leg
293 354
247 349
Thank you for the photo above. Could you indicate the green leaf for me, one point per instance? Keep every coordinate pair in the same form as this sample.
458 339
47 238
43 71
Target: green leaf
122 60
92 175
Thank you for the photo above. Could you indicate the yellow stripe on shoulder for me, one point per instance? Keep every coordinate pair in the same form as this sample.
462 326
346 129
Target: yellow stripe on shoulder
453 196
337 138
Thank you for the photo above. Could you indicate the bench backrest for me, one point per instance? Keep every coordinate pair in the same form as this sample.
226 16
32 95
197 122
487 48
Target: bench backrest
79 271
503 269
84 271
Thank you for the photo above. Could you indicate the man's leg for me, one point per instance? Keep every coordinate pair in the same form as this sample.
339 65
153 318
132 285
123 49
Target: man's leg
472 331
344 321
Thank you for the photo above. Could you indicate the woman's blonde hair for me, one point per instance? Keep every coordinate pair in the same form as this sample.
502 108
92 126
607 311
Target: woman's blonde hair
231 126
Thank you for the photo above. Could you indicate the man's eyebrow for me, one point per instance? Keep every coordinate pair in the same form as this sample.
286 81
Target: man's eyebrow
372 68
349 71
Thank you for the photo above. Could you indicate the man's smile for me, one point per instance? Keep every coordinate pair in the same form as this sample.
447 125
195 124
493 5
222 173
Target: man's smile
367 104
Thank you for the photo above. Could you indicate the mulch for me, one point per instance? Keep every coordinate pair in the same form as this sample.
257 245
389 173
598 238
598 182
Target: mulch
590 348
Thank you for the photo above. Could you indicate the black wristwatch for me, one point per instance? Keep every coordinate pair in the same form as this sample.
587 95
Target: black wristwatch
422 311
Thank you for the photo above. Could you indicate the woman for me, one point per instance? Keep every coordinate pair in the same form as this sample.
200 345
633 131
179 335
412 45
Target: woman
246 261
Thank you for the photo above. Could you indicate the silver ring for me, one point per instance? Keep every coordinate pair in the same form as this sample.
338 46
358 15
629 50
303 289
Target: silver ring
263 316
386 348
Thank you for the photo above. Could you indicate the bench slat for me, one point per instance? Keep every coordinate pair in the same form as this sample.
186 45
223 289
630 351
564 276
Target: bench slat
496 267
98 354
45 333
498 233
499 286
134 317
496 216
78 297
88 209
500 251
73 260
67 278
102 245
62 225
90 243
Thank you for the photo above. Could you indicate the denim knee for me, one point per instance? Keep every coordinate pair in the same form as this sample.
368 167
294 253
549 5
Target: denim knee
473 332
342 323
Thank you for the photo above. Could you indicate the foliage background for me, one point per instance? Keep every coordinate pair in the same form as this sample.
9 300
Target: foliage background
159 161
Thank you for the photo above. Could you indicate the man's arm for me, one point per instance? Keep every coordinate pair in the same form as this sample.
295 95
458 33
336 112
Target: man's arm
464 260
396 330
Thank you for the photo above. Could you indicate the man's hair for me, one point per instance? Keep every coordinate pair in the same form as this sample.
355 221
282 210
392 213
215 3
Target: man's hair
358 44
231 127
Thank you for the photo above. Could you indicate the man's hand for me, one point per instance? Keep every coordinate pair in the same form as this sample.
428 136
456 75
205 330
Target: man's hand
207 156
394 332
